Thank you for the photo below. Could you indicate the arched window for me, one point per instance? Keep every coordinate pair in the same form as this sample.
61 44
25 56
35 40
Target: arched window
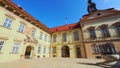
92 32
105 31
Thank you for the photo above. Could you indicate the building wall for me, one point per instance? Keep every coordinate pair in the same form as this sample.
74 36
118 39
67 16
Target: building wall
70 43
115 39
11 36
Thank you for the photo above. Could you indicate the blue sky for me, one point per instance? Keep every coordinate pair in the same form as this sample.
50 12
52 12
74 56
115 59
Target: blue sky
53 12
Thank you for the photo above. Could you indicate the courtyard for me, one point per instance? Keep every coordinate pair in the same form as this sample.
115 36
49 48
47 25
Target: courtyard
55 63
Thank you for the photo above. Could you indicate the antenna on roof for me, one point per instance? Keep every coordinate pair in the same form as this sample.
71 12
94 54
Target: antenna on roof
66 18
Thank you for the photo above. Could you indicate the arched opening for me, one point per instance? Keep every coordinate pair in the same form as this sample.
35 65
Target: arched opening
65 51
29 52
78 52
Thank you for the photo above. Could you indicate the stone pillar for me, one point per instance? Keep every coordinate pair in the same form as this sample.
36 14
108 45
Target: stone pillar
71 51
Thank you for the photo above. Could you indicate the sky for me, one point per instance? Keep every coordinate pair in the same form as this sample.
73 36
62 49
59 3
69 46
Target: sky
52 13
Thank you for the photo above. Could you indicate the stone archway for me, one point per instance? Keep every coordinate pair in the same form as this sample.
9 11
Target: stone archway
29 52
65 51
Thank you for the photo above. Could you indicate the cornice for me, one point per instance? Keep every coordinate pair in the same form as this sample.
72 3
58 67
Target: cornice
12 7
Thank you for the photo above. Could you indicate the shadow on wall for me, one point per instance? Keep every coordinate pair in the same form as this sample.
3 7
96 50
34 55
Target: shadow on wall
104 64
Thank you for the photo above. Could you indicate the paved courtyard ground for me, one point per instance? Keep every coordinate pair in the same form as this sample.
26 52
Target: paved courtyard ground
55 63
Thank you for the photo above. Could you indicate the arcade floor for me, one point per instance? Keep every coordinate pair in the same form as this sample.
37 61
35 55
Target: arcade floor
55 63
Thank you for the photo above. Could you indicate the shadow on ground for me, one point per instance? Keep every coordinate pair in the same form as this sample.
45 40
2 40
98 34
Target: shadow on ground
102 64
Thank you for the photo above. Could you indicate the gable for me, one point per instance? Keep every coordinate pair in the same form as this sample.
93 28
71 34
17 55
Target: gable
100 14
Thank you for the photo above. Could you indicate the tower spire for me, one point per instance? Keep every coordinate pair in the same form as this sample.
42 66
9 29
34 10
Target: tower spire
91 6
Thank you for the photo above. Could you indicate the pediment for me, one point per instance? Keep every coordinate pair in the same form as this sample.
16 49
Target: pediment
100 14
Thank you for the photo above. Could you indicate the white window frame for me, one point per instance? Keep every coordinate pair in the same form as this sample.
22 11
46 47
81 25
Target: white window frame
33 33
15 48
21 28
39 49
76 36
7 22
1 45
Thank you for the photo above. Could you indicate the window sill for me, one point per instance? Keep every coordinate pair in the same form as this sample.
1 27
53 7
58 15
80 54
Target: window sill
14 53
20 32
5 27
95 53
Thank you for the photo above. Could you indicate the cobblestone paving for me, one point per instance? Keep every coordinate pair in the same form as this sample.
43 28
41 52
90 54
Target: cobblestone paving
54 63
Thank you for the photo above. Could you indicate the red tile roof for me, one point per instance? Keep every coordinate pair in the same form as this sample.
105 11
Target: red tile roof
10 2
65 27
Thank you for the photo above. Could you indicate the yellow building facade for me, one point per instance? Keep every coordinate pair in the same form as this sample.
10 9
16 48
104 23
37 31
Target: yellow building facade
21 35
67 41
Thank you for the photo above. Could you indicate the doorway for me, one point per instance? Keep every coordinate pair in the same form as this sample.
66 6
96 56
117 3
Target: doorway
65 51
78 52
29 52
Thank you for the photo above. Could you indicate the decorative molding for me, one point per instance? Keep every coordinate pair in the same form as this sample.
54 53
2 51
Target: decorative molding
4 38
22 22
10 16
17 40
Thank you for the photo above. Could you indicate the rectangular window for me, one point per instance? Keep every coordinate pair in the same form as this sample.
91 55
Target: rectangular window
33 33
7 23
15 48
54 50
41 36
1 45
45 37
21 28
54 38
76 36
39 49
96 49
64 37
44 50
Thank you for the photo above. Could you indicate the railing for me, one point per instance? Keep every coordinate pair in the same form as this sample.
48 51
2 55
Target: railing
102 38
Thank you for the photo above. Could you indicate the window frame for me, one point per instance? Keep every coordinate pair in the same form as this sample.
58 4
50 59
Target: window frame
7 23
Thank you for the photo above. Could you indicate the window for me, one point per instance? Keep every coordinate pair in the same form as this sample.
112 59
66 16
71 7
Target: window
107 48
96 48
15 48
64 37
33 33
105 32
76 36
7 23
117 29
44 50
21 28
48 39
54 38
1 45
41 36
45 37
92 33
39 49
54 49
